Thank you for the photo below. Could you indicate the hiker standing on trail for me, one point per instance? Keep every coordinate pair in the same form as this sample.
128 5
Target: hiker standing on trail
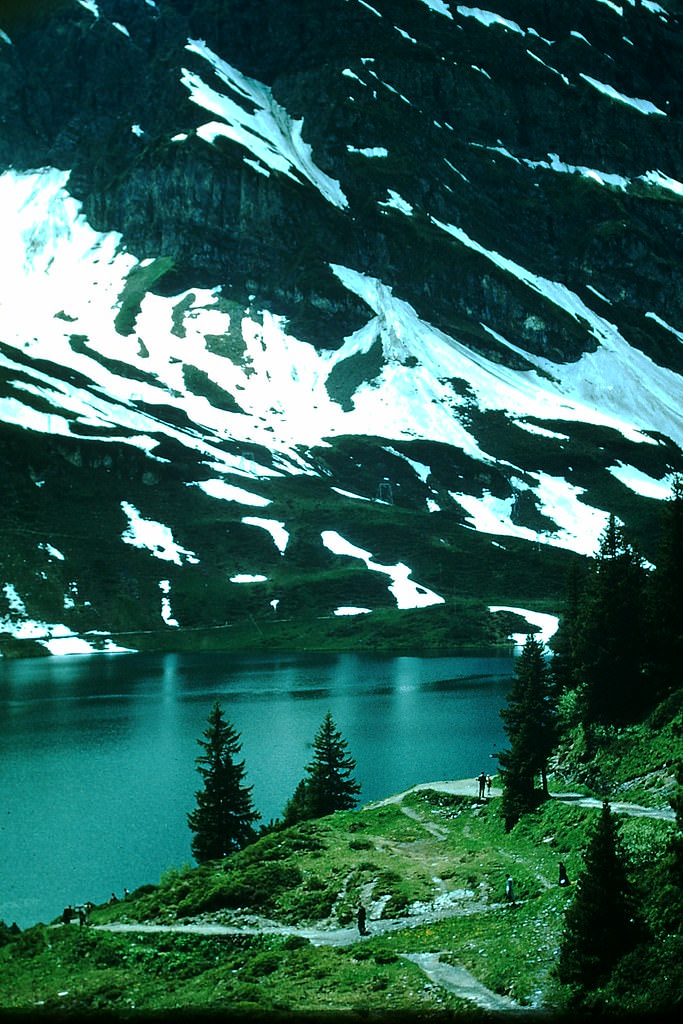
489 780
563 875
482 783
509 894
361 920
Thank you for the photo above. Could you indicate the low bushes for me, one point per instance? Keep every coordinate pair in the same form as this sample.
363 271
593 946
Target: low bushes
257 886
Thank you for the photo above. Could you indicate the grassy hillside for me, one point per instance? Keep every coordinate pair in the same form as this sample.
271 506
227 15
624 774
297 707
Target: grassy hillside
272 928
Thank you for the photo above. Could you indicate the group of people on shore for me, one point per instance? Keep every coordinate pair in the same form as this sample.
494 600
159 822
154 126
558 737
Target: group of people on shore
82 910
484 781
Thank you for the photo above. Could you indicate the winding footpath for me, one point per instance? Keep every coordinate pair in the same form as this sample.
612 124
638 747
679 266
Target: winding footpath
470 787
452 977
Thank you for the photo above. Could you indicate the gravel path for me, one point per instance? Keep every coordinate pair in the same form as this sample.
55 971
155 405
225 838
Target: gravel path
470 787
453 978
461 983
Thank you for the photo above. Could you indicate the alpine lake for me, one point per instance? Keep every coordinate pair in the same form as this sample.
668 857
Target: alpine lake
98 752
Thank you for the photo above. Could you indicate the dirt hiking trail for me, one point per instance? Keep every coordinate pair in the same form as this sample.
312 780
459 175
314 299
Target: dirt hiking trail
452 977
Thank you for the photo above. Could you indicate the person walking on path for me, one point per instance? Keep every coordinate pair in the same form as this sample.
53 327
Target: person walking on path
509 892
482 784
563 880
362 919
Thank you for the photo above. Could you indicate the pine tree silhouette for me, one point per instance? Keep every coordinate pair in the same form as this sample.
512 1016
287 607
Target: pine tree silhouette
666 600
529 722
329 785
610 646
600 924
224 816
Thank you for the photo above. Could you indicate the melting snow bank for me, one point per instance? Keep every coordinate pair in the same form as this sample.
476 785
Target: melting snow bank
547 624
643 484
408 594
56 638
157 538
252 118
617 385
579 526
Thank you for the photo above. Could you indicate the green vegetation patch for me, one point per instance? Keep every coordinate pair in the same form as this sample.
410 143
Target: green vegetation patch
199 383
139 281
347 375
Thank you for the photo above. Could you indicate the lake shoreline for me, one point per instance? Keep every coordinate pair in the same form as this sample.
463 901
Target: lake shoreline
99 753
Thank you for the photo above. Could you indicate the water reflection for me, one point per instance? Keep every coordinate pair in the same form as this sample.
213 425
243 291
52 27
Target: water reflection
98 753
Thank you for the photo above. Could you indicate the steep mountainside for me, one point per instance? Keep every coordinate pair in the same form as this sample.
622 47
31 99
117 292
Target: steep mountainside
317 309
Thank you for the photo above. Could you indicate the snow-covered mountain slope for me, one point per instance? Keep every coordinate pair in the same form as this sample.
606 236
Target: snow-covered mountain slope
402 276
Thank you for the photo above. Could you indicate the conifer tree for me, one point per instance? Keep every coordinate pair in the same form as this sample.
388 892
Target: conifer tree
610 647
529 722
329 785
669 887
564 642
224 817
600 924
298 807
666 599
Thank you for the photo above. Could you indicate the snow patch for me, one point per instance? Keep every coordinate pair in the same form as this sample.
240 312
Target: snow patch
157 538
547 625
644 106
396 202
408 594
257 122
165 588
641 483
230 492
276 529
439 7
488 18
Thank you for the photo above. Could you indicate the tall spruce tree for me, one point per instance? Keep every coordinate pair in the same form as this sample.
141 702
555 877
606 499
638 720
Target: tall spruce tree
669 887
564 642
329 784
600 924
529 722
610 646
224 817
666 599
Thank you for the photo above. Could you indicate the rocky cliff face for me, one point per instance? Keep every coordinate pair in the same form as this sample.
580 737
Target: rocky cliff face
468 109
510 177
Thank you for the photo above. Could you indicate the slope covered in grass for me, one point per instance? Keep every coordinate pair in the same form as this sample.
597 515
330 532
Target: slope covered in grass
273 927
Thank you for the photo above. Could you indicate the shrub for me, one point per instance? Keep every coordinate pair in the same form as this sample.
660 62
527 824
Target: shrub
143 890
385 956
8 934
362 953
260 966
396 905
31 942
312 905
